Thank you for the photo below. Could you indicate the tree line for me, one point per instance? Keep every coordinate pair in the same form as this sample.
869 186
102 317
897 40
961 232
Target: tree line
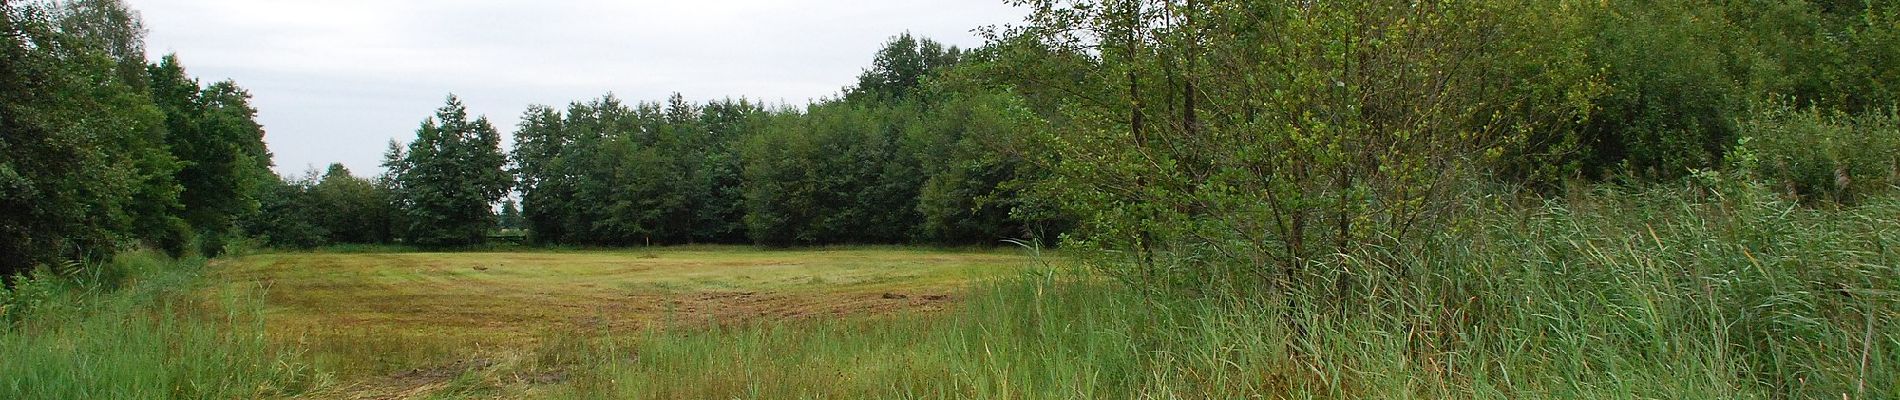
897 158
1247 136
101 150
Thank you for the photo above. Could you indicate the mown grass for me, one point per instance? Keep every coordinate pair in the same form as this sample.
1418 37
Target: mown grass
481 323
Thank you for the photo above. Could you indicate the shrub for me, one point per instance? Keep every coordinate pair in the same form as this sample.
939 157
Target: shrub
1817 155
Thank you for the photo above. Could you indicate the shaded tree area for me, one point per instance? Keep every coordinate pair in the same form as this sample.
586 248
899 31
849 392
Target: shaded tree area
102 151
1665 88
607 173
899 158
318 209
214 133
836 173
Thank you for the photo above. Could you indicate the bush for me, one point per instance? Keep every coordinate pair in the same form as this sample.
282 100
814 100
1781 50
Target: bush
1817 155
62 288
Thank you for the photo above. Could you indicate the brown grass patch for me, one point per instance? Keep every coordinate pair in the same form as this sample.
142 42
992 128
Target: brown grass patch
405 325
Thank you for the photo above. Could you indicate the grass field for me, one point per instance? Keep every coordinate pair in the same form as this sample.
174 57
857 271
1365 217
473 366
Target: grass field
1613 295
411 324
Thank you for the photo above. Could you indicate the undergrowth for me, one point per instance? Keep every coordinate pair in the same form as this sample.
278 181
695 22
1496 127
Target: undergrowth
1660 293
134 328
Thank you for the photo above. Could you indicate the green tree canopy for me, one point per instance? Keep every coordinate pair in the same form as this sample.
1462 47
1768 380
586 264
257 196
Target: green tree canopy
83 163
213 132
449 178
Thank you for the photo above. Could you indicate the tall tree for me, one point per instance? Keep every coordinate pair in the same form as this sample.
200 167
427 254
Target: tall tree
902 66
662 173
111 27
973 189
719 211
83 165
547 186
450 177
214 133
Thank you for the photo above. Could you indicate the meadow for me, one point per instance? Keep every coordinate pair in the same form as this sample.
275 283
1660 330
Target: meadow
1261 199
1659 293
404 324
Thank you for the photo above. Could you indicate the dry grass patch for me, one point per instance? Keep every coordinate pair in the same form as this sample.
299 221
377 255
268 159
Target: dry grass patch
390 324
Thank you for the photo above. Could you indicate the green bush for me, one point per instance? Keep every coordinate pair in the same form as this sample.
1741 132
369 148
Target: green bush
1818 155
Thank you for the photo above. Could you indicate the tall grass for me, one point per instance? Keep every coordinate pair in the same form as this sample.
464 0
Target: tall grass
143 330
1664 293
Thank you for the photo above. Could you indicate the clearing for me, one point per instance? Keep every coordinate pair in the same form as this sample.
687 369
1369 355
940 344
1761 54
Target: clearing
401 325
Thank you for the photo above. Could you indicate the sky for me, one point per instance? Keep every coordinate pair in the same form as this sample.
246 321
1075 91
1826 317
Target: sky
335 80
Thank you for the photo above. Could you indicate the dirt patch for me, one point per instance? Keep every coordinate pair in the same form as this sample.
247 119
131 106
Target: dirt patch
545 378
410 384
927 297
444 372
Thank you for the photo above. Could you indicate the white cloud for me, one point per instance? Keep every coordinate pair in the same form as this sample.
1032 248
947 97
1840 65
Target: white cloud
334 80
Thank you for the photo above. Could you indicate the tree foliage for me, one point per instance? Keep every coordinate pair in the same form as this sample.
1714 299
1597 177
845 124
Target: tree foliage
289 214
1252 137
83 162
448 179
213 132
606 173
509 218
836 173
101 151
902 67
905 156
1209 143
353 209
1259 135
914 153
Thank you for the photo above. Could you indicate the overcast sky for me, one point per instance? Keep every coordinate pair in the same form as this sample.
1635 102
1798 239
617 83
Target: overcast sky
335 80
